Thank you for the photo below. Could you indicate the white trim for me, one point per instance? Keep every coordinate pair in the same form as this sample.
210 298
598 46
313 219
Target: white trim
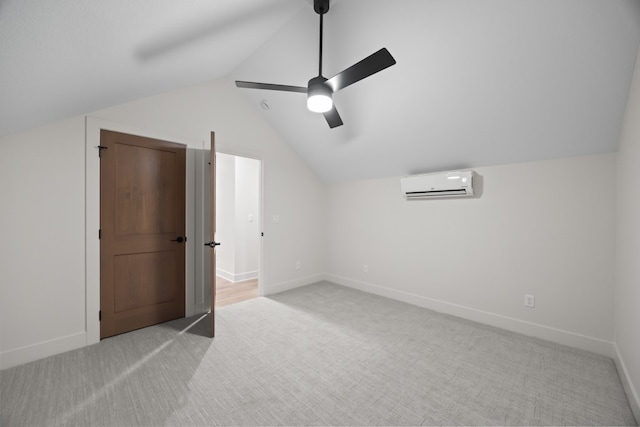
247 275
29 353
559 336
224 274
237 277
92 224
93 125
295 283
191 307
625 378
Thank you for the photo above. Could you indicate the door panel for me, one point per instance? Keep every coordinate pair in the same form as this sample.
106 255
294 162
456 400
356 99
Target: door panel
142 214
144 191
143 279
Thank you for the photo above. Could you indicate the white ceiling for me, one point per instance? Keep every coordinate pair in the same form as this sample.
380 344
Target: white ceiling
477 82
60 58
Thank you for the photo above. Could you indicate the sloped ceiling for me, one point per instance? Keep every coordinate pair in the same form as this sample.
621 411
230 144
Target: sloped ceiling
477 82
60 58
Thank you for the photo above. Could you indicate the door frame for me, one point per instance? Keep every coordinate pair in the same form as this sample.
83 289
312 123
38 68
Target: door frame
202 174
93 126
221 148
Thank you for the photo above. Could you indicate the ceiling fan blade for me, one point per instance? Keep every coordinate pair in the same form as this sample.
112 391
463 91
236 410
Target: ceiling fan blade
269 86
333 118
370 65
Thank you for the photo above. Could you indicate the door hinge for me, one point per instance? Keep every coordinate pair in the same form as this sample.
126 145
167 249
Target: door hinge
100 148
99 234
100 316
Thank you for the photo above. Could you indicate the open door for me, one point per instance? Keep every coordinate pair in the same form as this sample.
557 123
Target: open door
212 243
142 232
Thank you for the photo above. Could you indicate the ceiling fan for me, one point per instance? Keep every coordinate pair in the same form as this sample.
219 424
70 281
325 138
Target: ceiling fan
319 90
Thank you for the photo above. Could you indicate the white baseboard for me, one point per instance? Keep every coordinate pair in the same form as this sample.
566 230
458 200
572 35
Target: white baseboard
29 353
292 284
629 388
559 336
237 277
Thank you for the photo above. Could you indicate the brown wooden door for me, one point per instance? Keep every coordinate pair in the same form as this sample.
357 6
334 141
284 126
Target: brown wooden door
212 236
142 224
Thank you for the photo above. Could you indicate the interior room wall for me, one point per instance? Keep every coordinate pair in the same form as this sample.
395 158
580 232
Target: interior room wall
542 228
42 307
42 283
627 290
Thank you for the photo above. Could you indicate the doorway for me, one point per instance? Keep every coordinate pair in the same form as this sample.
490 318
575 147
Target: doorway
238 228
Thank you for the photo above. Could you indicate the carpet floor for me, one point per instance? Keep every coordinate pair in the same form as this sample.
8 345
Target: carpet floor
317 355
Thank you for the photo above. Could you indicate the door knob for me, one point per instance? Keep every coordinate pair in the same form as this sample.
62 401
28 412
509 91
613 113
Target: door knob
212 244
179 239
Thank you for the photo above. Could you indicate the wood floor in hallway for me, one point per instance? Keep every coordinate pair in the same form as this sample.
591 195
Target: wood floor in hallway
228 293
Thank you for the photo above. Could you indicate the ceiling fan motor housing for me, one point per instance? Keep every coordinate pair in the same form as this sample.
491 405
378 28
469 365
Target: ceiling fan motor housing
321 6
317 82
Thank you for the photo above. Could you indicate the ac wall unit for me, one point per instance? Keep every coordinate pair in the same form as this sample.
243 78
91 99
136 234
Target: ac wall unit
436 185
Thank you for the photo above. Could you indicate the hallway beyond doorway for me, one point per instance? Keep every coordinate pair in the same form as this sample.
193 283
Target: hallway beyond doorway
228 293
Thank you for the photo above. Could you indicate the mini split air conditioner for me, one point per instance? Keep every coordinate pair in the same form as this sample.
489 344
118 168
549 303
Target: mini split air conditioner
436 185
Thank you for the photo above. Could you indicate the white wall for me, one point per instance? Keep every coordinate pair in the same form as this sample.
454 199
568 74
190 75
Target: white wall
627 290
42 282
542 228
237 217
43 288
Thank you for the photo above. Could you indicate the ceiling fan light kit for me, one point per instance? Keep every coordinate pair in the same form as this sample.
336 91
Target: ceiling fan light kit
319 95
320 90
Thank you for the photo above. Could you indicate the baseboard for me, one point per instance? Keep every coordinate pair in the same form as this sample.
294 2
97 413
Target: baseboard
29 353
237 277
559 336
292 284
625 378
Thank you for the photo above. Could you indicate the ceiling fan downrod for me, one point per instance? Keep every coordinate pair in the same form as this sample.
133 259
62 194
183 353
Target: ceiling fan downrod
320 49
321 7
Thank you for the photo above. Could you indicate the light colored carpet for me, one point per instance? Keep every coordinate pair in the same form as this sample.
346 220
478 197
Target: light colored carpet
318 355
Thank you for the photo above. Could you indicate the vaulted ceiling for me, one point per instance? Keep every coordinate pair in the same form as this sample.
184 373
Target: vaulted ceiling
477 82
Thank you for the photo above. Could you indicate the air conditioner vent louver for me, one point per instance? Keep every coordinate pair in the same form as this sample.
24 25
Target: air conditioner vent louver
436 193
438 185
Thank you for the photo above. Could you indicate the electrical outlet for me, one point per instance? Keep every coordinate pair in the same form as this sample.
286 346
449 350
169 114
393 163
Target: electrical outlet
529 300
365 268
298 265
